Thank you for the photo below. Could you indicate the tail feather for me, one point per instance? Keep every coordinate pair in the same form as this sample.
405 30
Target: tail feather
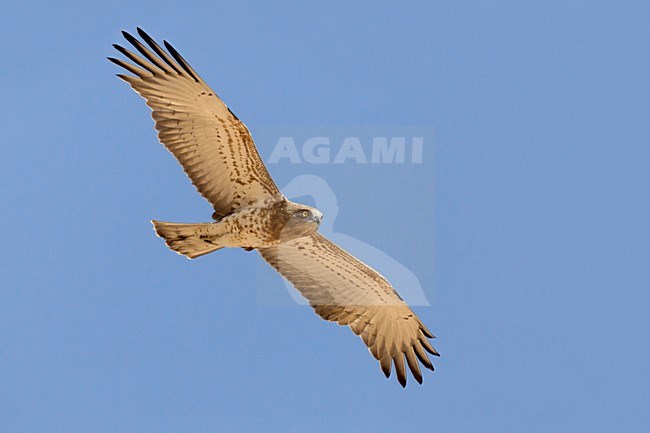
183 238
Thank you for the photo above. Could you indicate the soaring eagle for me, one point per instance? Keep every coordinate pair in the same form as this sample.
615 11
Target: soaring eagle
218 154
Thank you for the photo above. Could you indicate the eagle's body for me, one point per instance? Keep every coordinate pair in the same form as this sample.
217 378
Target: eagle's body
218 154
263 224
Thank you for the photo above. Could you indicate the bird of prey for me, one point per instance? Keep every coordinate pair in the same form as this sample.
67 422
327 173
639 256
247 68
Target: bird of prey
218 154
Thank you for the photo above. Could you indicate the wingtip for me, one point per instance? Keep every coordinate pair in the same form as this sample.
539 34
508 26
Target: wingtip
385 365
144 35
386 371
129 37
428 347
120 48
427 333
126 78
169 46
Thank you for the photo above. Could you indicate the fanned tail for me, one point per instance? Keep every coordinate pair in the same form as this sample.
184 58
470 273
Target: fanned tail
183 238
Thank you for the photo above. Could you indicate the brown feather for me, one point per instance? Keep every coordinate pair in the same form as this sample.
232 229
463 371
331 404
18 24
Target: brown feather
344 290
214 148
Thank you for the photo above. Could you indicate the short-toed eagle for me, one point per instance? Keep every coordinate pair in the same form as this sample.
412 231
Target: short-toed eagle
218 154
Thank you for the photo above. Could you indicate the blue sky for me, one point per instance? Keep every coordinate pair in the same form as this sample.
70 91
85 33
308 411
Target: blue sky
527 223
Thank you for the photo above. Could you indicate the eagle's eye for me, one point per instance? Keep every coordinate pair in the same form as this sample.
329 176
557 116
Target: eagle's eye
305 213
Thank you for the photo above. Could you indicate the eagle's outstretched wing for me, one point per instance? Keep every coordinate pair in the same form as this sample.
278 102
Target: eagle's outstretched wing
344 290
214 147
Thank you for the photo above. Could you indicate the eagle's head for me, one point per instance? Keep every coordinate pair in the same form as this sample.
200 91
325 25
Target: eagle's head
301 220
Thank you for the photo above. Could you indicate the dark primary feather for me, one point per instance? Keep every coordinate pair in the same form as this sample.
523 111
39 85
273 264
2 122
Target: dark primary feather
161 53
181 61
